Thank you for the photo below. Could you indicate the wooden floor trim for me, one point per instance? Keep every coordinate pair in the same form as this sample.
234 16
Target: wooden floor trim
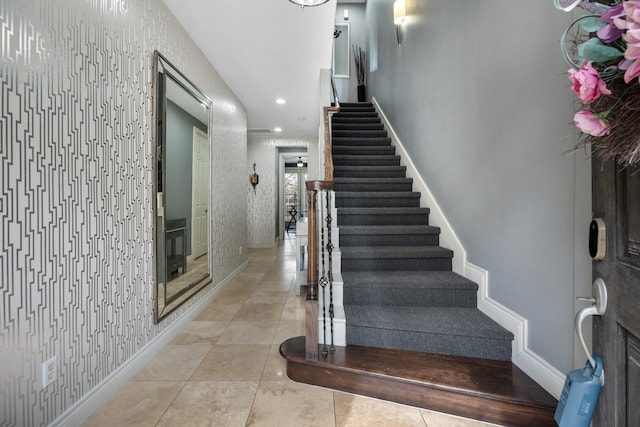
485 390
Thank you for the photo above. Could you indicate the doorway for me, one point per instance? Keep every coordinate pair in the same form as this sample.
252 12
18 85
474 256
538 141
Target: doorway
292 206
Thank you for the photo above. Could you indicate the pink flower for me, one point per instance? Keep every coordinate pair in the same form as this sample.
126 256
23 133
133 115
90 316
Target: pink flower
631 23
594 124
587 83
610 32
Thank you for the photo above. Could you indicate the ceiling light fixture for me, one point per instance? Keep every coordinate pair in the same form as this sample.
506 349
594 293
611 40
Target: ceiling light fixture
281 101
308 3
277 129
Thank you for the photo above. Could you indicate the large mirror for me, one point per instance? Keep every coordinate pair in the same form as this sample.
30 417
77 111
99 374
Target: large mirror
182 182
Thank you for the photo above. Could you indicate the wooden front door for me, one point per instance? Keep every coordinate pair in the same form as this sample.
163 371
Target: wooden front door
616 335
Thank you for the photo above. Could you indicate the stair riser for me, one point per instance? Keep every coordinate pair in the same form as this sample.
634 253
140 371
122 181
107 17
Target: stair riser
356 142
409 297
363 151
354 120
356 126
431 343
366 161
377 202
360 133
356 112
383 219
355 115
389 240
365 172
381 187
395 264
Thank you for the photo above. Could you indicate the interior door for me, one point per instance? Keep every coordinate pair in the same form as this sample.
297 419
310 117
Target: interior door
616 335
200 184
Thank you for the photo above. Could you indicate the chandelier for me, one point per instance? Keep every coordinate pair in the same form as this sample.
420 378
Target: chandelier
308 3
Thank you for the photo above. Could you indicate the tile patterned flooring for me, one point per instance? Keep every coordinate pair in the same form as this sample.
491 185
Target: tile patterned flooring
224 368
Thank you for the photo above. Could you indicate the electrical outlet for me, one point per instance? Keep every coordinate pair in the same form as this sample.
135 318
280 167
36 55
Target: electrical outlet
49 371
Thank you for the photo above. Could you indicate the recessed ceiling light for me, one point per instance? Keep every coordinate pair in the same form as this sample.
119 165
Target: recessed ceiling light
281 101
277 129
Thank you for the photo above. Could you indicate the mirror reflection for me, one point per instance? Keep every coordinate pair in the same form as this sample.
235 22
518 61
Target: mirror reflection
182 188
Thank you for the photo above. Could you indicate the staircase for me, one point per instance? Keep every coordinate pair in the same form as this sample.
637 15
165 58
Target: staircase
414 333
399 290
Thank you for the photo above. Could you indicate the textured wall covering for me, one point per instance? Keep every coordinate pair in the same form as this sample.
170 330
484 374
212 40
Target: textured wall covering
76 196
261 205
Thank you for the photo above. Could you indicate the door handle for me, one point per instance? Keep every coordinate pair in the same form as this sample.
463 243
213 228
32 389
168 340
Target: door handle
598 307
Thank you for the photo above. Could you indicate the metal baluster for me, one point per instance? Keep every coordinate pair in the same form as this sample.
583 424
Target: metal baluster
330 274
323 284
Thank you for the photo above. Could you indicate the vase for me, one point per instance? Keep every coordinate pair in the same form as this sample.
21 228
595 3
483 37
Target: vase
361 93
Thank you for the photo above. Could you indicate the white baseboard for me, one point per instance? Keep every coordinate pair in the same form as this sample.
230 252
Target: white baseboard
91 401
549 378
437 218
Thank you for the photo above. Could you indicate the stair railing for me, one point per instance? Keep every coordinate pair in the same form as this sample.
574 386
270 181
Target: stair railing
334 93
317 228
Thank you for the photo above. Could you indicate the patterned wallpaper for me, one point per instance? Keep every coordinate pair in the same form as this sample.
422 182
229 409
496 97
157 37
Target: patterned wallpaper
76 240
263 151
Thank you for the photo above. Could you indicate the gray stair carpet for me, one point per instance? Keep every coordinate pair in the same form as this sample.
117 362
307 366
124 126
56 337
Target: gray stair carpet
399 290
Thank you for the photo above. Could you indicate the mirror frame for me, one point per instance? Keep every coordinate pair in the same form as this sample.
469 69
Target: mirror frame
163 70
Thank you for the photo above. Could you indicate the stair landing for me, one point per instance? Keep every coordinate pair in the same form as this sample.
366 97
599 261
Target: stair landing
487 390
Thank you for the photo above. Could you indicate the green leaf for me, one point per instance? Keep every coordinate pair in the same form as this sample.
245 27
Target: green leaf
604 7
591 24
593 50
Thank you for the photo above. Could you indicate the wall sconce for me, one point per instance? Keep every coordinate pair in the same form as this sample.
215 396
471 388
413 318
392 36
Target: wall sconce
300 163
345 14
399 13
254 178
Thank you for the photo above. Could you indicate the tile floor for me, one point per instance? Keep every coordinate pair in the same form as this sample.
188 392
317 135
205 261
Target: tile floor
224 368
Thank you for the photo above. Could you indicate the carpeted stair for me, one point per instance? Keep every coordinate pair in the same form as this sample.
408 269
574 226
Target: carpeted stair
399 290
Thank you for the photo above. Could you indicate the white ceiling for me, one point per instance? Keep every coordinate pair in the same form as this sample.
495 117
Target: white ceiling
264 50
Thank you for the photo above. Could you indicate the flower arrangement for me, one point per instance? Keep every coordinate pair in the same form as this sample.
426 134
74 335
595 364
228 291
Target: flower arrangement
603 49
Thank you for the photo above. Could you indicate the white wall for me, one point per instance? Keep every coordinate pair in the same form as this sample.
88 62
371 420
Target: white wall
479 96
76 155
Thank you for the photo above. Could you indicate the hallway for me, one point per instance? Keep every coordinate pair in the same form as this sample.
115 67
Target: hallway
224 368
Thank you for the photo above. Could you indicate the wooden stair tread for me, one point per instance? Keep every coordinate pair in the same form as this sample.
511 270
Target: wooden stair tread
481 389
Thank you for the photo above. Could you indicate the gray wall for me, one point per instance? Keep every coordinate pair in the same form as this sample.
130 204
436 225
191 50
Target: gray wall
479 96
76 193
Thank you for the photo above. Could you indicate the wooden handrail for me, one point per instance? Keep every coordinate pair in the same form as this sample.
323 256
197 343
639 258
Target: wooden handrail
328 158
311 340
334 92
